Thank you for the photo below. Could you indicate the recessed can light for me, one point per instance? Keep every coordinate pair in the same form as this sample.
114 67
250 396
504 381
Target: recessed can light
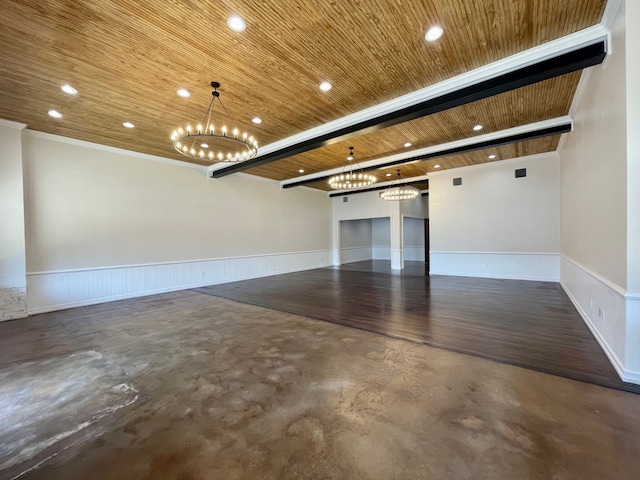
325 86
301 170
436 165
477 128
256 120
204 145
388 175
55 114
236 23
434 33
491 157
408 144
128 124
68 89
183 92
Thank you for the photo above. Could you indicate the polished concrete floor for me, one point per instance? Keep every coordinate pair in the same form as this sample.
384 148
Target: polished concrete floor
191 386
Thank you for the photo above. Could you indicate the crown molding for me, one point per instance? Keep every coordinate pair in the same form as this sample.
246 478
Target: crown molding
10 124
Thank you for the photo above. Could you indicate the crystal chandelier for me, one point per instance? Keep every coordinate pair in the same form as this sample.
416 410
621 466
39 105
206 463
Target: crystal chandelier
350 177
217 144
397 191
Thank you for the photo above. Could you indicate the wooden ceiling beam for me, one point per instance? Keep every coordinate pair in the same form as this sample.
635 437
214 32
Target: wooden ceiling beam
560 64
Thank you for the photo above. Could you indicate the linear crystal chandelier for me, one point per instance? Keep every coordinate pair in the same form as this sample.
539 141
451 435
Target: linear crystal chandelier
351 177
217 144
397 191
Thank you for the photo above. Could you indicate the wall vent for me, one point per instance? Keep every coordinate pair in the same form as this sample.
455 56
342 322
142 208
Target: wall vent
345 199
457 181
521 172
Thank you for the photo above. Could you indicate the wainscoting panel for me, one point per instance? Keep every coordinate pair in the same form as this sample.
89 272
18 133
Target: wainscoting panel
355 254
516 266
602 305
57 290
381 253
415 254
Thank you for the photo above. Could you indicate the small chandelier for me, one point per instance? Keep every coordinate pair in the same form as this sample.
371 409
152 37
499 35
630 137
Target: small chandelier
399 191
226 145
350 177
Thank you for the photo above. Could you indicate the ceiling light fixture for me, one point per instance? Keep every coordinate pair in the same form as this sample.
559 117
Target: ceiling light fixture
183 92
301 170
128 124
397 191
492 156
236 23
350 177
434 33
407 145
325 86
184 140
256 120
68 89
388 175
54 114
477 128
436 166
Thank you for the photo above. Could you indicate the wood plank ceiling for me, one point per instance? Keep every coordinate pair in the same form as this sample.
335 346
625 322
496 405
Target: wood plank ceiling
127 59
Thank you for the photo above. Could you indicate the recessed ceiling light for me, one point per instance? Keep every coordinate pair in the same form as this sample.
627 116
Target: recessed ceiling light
236 23
325 86
477 127
204 145
128 124
301 170
408 144
491 157
436 165
388 175
69 89
434 33
55 114
183 92
256 120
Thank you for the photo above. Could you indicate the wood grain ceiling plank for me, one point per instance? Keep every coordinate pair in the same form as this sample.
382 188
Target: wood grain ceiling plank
128 58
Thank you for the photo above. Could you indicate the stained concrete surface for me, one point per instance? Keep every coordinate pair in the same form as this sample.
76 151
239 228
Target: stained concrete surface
232 391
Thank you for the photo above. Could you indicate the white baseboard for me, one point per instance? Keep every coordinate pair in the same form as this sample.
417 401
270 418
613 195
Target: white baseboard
58 290
512 265
355 254
603 307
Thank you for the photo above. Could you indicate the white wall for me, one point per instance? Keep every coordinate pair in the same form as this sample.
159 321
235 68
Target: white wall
600 224
413 239
355 240
13 280
105 224
381 238
496 225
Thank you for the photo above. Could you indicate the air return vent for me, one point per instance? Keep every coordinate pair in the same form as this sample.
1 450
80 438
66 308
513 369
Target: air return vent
521 172
457 181
345 199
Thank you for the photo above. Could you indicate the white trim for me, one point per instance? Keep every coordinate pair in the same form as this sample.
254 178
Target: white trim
56 290
609 352
493 253
609 15
174 262
553 122
536 156
560 46
608 283
632 296
10 124
107 148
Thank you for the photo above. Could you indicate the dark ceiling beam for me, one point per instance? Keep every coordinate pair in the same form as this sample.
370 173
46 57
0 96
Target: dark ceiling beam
375 189
497 142
561 64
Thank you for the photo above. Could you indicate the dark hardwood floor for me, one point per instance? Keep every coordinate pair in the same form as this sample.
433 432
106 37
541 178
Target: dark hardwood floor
528 324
